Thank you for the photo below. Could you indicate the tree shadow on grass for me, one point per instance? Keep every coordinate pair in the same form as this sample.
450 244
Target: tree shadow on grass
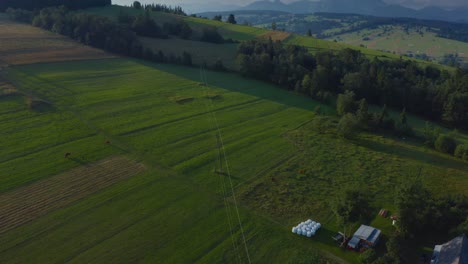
408 153
236 83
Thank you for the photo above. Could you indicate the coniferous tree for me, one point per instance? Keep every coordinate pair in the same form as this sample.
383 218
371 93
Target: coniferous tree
232 19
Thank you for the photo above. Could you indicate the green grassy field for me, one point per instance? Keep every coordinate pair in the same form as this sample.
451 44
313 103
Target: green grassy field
396 40
177 211
283 170
177 206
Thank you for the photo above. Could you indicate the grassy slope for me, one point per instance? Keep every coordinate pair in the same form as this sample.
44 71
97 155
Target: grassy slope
236 32
135 104
400 42
179 201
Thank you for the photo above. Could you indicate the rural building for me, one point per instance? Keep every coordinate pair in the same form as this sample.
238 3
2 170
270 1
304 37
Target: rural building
365 236
453 252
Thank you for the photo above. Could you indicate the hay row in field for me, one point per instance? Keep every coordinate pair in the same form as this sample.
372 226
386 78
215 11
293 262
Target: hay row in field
27 203
7 89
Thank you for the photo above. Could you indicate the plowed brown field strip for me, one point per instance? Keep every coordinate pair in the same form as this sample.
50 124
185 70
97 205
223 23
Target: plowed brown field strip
29 202
275 35
25 44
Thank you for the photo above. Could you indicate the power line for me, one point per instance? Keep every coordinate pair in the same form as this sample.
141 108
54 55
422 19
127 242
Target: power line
229 176
218 159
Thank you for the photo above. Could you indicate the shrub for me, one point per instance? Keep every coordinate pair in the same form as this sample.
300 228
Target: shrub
345 103
368 257
348 126
430 135
462 151
211 34
445 144
218 65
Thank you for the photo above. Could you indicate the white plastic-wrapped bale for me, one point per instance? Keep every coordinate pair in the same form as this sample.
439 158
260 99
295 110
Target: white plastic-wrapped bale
294 230
309 234
319 225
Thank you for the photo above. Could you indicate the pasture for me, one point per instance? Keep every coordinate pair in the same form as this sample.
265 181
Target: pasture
413 42
180 202
179 208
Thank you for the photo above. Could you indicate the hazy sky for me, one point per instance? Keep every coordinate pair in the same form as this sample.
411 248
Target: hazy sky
409 3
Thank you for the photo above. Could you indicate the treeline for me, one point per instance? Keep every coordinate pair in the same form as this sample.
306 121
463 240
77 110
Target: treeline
355 115
39 4
177 10
401 84
118 37
144 25
421 212
96 31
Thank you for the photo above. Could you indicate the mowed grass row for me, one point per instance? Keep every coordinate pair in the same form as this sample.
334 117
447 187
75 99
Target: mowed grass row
138 103
34 143
180 208
148 219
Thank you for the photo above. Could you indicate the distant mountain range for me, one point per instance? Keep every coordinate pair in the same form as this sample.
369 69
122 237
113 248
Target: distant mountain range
364 7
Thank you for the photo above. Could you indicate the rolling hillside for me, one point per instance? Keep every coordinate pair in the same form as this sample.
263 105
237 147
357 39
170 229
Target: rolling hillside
164 162
204 51
440 42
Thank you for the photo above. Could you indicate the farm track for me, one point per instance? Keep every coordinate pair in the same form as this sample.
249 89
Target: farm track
30 202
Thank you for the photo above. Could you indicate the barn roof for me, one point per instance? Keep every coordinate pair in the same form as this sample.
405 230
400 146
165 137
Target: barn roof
367 233
354 242
453 252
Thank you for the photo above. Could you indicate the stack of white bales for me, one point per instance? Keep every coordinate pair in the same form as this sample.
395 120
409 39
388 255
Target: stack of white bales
307 228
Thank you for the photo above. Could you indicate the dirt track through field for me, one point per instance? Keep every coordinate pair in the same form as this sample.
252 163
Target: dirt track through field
27 203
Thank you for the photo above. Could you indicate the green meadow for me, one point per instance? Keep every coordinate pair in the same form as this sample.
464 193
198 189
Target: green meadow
283 171
400 42
180 204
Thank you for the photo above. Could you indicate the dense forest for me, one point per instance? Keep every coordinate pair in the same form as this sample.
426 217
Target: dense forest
39 4
177 10
401 84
